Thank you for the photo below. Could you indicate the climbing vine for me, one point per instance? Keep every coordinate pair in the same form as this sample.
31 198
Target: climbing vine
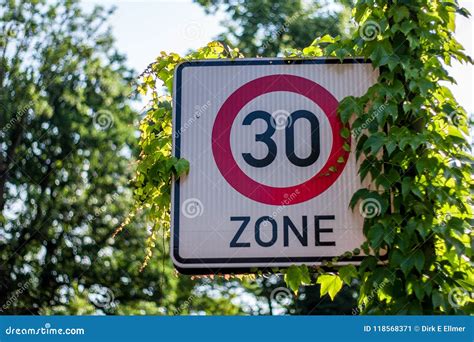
416 153
156 165
411 138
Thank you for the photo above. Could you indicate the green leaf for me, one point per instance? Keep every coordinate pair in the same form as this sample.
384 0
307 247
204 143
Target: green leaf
393 62
454 132
419 290
345 133
361 193
397 88
348 107
407 264
423 84
375 142
376 234
330 284
438 300
296 276
407 26
401 12
324 39
406 186
381 53
369 262
347 273
396 257
419 260
181 167
292 278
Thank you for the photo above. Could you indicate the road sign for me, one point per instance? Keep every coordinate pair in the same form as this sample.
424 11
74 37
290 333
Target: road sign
270 174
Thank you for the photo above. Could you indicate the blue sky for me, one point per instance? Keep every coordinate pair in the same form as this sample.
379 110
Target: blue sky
143 28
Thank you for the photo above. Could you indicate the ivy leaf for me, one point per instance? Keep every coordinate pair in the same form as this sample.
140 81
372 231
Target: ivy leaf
181 167
391 109
419 258
324 39
296 276
361 193
406 186
305 276
376 235
419 290
456 133
381 53
348 107
401 12
345 133
330 284
438 300
375 142
422 84
396 257
292 278
407 26
393 61
398 88
407 264
342 53
369 263
347 273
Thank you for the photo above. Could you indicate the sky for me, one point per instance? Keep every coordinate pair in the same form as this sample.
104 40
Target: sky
144 28
464 74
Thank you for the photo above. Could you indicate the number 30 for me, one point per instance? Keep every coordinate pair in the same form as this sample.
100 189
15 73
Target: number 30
266 138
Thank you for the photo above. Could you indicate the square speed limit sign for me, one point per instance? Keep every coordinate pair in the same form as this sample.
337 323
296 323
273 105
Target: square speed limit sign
270 177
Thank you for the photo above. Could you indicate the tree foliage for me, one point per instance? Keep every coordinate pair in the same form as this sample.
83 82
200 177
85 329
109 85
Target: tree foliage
411 137
266 28
67 142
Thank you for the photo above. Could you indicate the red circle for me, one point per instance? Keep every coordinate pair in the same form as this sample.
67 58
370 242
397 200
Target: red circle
260 192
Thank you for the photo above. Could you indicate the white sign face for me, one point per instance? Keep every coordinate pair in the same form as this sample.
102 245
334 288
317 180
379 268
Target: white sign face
270 177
